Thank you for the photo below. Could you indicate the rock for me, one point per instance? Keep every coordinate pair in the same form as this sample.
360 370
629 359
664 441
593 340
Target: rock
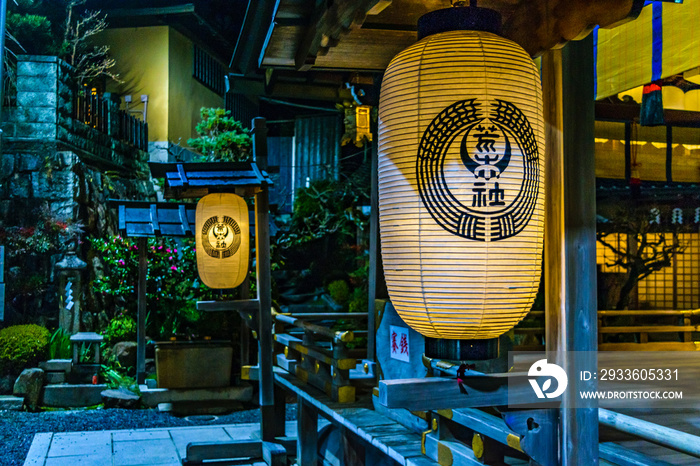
6 384
29 162
120 398
28 385
125 352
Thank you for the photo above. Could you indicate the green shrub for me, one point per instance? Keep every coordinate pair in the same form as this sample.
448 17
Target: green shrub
339 291
22 346
221 137
121 328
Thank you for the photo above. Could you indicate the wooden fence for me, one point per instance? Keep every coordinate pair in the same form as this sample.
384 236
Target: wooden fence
624 326
103 115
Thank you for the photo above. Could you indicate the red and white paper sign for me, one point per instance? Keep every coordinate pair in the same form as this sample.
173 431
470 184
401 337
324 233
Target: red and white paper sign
398 342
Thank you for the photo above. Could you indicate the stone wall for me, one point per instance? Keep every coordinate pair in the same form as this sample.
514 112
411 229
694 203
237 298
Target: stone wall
50 160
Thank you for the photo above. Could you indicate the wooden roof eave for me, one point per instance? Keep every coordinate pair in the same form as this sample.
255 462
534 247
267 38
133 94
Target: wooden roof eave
344 38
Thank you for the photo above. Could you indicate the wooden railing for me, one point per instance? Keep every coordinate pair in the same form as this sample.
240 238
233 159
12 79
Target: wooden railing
628 323
319 356
103 115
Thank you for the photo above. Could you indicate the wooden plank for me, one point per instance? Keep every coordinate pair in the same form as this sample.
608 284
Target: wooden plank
122 217
353 418
198 452
484 423
154 218
315 352
651 329
184 221
656 346
660 435
288 365
661 312
441 393
344 337
242 305
327 315
622 456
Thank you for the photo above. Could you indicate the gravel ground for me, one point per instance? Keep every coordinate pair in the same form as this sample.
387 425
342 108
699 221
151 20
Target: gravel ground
17 428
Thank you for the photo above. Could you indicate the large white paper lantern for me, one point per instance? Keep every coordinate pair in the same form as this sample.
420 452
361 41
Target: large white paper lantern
222 239
461 184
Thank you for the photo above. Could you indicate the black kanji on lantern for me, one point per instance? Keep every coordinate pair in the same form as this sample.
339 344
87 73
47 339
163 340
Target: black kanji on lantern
497 208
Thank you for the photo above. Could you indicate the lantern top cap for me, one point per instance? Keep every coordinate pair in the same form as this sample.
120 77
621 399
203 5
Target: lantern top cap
71 262
459 18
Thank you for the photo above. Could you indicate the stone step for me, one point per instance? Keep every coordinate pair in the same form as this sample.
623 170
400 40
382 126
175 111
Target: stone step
55 377
56 365
72 396
11 402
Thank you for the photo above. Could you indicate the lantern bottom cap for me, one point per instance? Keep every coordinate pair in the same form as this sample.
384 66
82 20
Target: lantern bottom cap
462 350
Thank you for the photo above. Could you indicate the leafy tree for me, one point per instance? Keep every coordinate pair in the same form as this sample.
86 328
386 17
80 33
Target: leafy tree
647 247
42 27
221 138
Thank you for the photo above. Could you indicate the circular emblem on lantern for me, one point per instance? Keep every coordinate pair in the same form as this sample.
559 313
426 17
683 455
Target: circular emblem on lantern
221 238
478 169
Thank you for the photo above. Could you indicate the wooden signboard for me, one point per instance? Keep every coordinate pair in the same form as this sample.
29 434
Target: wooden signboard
223 240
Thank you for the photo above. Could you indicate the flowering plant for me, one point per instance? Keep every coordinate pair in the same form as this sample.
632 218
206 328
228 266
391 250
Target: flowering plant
173 286
30 252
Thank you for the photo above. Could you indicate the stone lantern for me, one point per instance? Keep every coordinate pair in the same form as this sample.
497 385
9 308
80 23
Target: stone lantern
69 288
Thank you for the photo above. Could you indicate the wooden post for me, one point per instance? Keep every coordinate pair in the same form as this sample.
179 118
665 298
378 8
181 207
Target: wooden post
141 324
307 434
669 153
570 262
376 282
244 330
628 151
373 253
262 253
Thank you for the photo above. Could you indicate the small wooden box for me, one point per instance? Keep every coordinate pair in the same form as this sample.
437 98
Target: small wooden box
193 364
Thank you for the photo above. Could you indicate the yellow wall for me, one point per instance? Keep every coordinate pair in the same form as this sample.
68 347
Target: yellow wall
158 61
142 63
187 95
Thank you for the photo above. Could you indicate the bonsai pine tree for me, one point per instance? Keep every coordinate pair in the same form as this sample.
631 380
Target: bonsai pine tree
221 138
647 247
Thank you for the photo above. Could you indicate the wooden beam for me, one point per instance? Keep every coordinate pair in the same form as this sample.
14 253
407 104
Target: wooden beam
617 454
242 305
630 112
326 28
443 393
491 426
337 336
660 435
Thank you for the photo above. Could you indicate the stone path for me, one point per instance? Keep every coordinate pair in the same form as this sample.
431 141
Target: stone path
140 447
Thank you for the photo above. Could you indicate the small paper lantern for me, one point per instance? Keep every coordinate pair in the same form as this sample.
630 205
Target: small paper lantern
223 240
461 188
